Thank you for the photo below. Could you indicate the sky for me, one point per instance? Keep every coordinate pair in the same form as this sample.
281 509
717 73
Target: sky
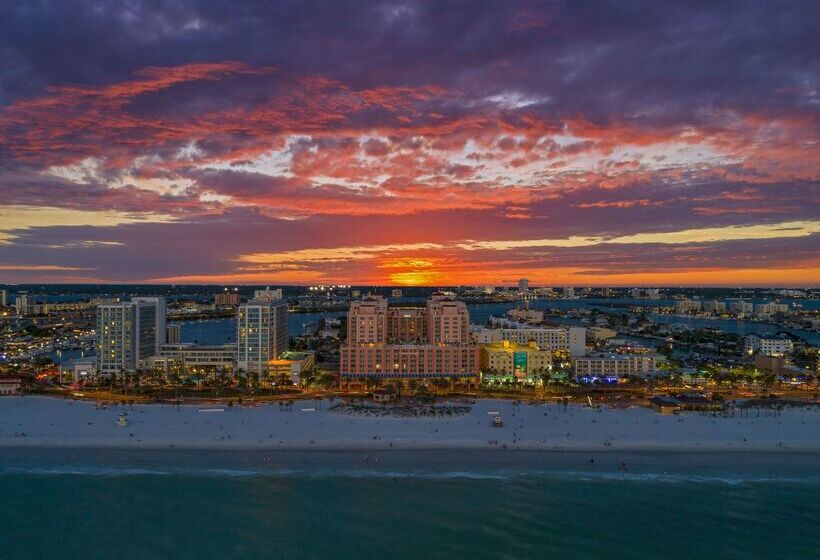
644 143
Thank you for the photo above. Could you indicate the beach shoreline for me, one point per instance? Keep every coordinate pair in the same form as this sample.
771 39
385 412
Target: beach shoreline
312 425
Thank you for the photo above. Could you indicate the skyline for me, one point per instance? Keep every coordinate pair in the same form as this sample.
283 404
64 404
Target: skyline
404 144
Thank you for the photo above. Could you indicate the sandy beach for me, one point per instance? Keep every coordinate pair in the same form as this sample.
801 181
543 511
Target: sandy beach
43 421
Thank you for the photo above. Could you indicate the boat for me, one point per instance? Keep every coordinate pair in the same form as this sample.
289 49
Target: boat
497 422
122 420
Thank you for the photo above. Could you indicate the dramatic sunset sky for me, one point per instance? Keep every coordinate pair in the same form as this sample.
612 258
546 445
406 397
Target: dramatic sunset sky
572 143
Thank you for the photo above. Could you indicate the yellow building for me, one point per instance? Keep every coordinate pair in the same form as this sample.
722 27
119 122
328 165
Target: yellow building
507 360
290 367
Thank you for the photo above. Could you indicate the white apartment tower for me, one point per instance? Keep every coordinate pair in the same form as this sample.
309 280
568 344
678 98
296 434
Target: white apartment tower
261 334
127 334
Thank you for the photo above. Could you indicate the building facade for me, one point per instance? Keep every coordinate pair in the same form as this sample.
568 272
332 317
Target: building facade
290 367
768 346
526 315
261 334
172 334
602 365
127 335
511 360
555 339
408 342
187 359
227 299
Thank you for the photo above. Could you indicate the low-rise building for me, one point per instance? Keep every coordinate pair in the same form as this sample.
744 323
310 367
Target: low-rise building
688 306
770 308
188 359
714 306
80 370
10 385
526 315
768 346
227 299
600 334
511 360
665 404
740 307
611 366
290 366
554 339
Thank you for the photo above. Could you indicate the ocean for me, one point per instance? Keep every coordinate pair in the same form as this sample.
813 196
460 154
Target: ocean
175 504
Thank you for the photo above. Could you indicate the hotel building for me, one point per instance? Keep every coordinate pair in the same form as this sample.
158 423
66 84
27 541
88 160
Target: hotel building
408 342
188 359
603 365
127 334
261 334
510 360
571 340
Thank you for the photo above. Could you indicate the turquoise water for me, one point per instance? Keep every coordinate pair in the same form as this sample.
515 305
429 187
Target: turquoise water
176 504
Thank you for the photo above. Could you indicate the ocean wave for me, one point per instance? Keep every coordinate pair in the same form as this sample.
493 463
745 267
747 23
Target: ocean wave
374 473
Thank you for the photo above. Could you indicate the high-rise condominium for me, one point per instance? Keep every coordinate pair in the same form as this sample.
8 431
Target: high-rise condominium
261 334
128 334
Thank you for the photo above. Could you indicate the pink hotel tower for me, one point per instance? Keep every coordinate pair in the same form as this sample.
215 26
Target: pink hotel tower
408 342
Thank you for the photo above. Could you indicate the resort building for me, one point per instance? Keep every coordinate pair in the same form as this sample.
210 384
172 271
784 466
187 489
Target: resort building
768 346
603 366
261 333
188 359
571 340
408 342
507 360
128 334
